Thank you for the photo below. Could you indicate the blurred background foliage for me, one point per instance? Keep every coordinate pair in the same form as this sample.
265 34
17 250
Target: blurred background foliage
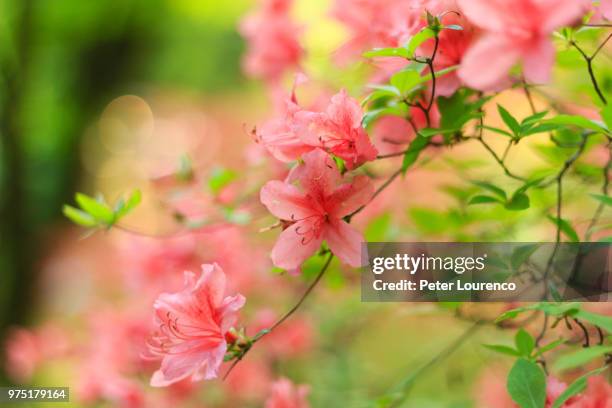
61 62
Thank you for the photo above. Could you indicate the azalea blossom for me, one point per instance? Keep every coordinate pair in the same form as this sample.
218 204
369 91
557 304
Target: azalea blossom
513 32
337 130
287 395
192 325
314 211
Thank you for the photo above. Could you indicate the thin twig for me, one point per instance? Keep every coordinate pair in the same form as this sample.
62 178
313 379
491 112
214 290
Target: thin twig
589 62
285 316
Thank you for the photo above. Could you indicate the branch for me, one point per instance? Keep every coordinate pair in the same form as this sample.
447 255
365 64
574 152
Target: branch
283 318
589 61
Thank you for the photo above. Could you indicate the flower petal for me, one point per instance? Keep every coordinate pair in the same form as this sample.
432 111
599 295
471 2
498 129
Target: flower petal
285 201
296 244
318 175
486 64
344 241
538 61
488 14
349 197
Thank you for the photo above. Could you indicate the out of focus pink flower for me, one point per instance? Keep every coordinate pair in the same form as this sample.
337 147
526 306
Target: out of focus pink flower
192 325
292 338
514 31
287 395
376 23
96 385
27 349
273 40
597 395
282 135
393 132
315 211
250 380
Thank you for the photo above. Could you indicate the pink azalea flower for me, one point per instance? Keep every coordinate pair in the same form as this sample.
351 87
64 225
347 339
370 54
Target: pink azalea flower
281 135
287 395
192 326
273 43
514 31
315 211
338 130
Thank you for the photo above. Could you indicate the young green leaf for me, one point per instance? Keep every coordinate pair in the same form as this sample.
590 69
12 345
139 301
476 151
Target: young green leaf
220 178
524 343
527 384
565 227
492 188
79 217
483 199
97 209
550 346
387 52
405 81
576 120
602 321
418 39
518 202
604 199
580 357
413 152
499 348
509 120
575 388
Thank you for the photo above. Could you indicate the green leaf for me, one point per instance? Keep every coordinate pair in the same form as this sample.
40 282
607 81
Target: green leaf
534 118
483 199
387 52
524 342
127 206
527 384
492 188
413 152
604 199
418 39
550 346
575 388
606 115
580 357
79 217
509 120
496 130
565 227
220 178
518 202
604 322
405 80
575 120
549 308
499 348
521 254
97 209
